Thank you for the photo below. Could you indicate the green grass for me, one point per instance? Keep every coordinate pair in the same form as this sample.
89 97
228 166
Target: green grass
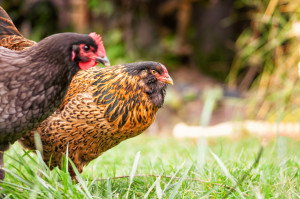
222 164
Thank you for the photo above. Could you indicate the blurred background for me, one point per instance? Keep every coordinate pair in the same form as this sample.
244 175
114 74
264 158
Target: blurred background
231 60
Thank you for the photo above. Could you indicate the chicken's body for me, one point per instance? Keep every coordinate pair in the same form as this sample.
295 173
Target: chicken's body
109 105
34 82
27 99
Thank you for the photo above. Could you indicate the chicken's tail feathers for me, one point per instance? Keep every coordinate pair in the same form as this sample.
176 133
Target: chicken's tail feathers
10 37
7 27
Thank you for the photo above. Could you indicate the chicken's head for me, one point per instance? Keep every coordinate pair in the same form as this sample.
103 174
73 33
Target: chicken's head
90 52
153 79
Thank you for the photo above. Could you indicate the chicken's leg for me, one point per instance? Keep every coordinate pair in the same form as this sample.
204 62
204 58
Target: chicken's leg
3 147
2 172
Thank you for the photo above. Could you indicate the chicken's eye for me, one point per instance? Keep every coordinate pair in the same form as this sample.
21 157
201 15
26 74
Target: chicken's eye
86 48
153 72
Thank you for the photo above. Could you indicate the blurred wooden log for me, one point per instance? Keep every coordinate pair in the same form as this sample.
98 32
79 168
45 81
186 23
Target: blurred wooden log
250 127
167 7
79 15
183 19
127 23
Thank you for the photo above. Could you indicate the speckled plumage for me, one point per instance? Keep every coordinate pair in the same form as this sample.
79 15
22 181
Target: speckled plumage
103 107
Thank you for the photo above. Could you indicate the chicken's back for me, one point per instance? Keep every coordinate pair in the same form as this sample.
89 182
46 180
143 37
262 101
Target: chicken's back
27 95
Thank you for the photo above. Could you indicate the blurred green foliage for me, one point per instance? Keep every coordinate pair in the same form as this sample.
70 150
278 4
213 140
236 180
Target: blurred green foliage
164 31
159 30
106 7
266 59
115 48
250 44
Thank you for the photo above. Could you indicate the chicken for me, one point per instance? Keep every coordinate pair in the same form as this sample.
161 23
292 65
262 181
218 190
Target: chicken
103 107
34 82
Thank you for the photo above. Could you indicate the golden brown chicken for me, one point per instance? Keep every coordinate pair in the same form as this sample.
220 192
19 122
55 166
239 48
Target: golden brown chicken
103 107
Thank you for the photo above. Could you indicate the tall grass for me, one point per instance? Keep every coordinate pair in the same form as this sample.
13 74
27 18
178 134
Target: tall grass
267 56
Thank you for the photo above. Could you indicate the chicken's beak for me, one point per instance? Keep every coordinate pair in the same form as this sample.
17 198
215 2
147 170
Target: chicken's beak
167 79
104 60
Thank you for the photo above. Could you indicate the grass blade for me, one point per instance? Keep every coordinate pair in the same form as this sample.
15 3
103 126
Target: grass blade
81 181
201 153
226 172
133 170
159 192
152 186
108 189
134 167
38 142
167 186
178 184
256 191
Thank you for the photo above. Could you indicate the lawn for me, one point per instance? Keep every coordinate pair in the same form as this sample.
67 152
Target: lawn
164 168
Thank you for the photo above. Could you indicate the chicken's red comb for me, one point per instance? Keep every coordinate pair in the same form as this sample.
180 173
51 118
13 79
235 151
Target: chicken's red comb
98 39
